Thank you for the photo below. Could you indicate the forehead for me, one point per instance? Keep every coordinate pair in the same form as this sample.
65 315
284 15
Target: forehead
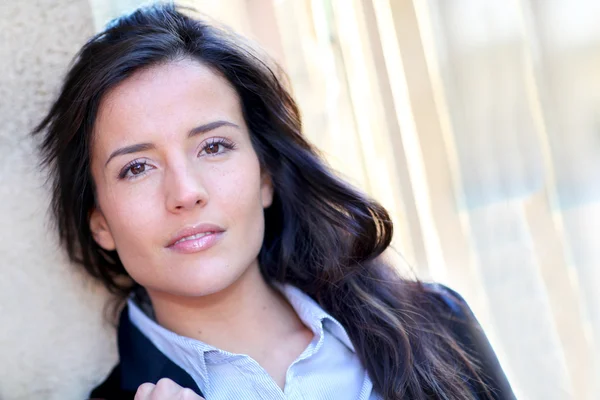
165 98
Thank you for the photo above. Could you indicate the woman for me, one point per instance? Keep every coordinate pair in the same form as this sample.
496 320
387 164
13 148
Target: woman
182 182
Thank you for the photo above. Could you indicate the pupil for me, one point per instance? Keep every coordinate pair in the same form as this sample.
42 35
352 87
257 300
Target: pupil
212 148
137 169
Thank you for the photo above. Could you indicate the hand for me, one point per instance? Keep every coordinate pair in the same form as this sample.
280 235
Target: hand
165 389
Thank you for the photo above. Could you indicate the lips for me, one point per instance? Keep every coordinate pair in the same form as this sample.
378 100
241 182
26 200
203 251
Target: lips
193 237
194 234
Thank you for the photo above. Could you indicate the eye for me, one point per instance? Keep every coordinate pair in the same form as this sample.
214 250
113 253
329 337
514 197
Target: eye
134 169
137 169
213 148
216 146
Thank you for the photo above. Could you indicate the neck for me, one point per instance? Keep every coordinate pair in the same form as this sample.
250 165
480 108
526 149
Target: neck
238 319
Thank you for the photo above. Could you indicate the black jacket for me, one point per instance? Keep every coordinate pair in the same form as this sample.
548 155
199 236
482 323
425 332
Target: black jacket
141 361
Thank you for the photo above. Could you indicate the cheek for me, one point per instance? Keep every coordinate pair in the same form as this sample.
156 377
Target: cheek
131 212
236 192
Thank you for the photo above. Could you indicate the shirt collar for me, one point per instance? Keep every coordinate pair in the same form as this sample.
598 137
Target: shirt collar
190 353
313 316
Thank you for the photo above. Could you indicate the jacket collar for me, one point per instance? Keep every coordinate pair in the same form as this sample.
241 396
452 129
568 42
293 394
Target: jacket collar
142 362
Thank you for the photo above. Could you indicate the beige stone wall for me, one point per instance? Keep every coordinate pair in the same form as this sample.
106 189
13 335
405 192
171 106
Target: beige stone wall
53 342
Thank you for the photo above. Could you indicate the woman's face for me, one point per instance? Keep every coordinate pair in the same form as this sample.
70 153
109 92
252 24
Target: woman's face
179 187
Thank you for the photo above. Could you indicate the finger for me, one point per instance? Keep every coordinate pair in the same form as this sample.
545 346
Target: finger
188 394
165 389
144 391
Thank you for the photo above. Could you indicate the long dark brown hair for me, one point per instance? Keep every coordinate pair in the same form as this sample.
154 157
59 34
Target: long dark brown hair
321 235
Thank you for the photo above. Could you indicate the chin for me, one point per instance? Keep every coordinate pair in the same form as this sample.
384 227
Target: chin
204 282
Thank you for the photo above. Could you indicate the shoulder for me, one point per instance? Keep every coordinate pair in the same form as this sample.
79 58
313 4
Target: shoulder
111 388
449 297
448 308
447 303
452 310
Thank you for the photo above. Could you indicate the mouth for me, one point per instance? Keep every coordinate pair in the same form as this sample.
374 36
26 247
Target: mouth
195 239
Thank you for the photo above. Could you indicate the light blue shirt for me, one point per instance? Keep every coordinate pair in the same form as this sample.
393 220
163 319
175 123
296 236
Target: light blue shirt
328 368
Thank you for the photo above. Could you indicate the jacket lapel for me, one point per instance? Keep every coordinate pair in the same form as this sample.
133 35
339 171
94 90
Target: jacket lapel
142 362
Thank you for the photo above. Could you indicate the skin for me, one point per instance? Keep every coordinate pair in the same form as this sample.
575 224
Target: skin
177 180
165 389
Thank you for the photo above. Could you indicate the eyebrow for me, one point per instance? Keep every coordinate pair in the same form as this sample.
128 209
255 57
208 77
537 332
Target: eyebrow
199 130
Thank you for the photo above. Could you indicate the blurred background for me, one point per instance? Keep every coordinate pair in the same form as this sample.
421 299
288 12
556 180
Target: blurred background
475 122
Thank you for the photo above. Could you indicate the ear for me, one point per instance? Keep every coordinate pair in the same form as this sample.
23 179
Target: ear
266 190
101 231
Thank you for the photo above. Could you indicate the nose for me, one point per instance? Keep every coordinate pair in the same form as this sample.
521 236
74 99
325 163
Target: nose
184 189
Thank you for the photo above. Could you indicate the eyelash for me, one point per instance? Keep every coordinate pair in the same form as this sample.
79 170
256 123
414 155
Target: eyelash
127 168
226 143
